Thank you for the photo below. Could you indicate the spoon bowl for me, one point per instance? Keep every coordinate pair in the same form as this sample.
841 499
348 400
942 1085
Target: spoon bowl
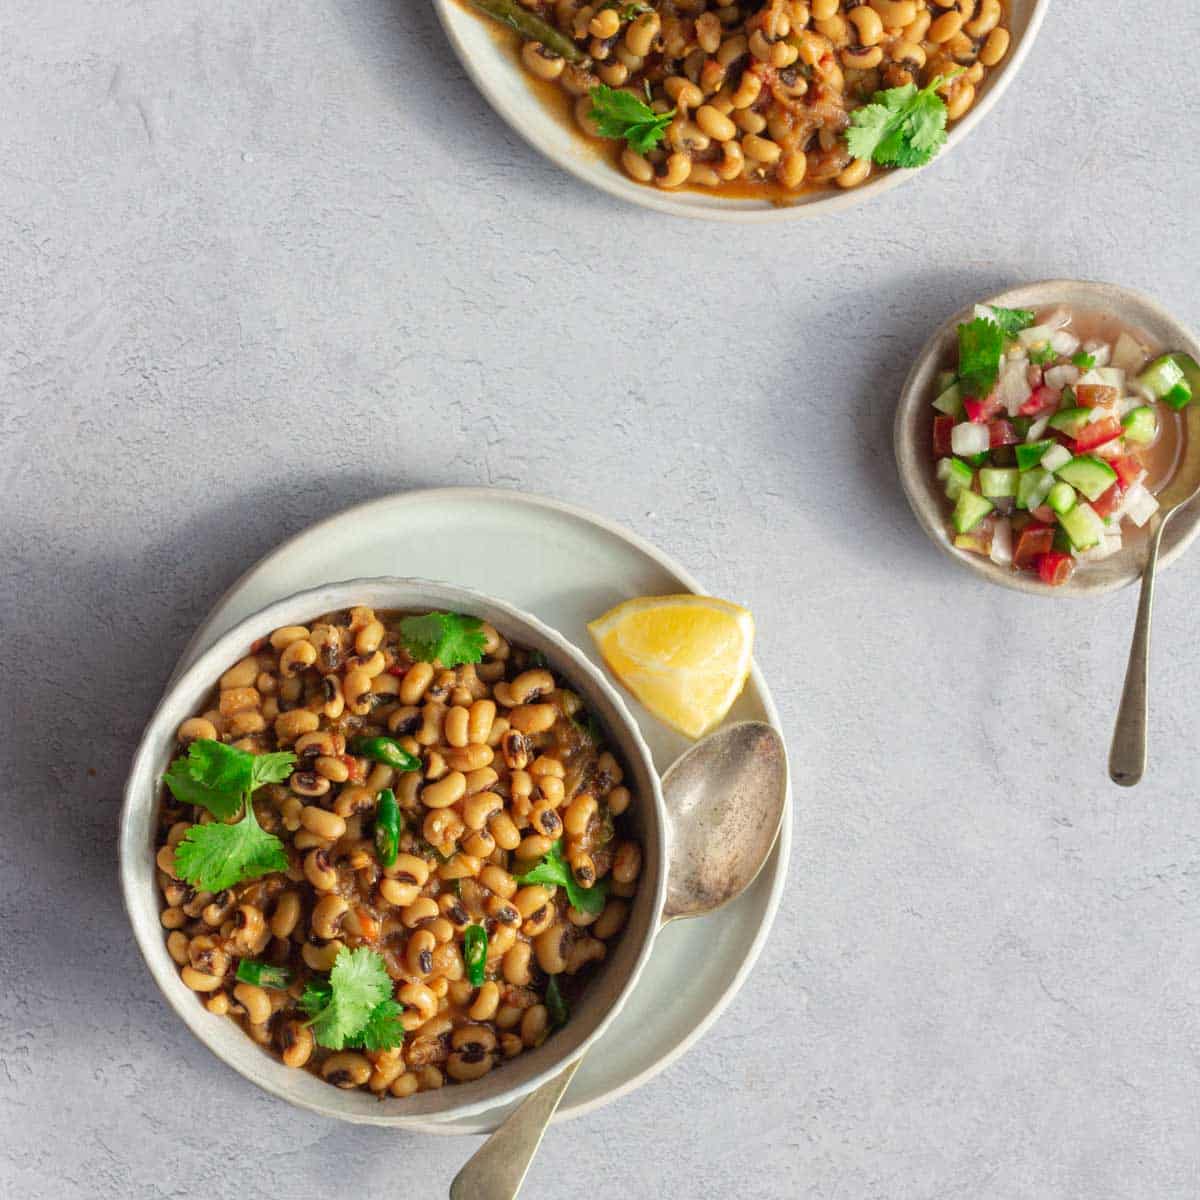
724 801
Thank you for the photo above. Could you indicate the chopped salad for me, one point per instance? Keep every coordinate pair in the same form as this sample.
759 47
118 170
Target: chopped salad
1042 438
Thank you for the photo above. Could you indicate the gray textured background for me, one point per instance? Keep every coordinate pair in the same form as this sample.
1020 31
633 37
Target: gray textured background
261 260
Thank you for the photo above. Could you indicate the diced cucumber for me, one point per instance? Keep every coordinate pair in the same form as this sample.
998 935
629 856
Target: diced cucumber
977 460
1061 498
1031 453
943 381
1083 527
1055 457
1161 376
1092 476
971 542
1070 420
1141 425
998 482
969 437
949 401
1180 396
954 475
970 509
1033 487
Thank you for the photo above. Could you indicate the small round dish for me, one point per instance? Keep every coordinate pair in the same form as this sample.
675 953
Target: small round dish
607 990
914 423
497 72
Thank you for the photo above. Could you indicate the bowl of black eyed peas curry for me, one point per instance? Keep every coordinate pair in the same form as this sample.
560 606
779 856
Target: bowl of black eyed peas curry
751 110
394 851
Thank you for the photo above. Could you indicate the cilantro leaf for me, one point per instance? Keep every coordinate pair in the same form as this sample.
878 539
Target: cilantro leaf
382 1031
449 638
1083 360
1041 355
900 127
1011 320
215 857
620 114
212 775
554 869
358 983
270 768
980 347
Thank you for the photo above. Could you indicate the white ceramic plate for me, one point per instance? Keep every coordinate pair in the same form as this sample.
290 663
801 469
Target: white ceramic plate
565 566
498 74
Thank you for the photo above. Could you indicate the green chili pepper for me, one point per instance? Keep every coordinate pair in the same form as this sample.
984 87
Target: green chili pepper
556 1006
263 974
475 947
389 824
387 751
531 26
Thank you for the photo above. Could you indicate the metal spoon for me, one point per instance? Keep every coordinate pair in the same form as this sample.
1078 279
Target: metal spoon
1127 758
724 799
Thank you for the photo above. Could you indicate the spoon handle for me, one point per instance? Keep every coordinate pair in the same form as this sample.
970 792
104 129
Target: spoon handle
1127 758
497 1169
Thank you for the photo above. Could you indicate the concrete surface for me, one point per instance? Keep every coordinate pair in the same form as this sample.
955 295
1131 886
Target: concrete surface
261 260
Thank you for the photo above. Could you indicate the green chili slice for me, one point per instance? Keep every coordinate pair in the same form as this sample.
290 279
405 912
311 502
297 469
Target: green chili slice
387 751
556 1006
475 947
389 824
263 974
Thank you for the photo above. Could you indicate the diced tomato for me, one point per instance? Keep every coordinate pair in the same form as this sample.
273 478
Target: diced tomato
1129 470
981 411
1043 398
257 645
1045 514
1055 567
1002 434
1109 501
1096 434
1095 395
1032 542
941 436
397 670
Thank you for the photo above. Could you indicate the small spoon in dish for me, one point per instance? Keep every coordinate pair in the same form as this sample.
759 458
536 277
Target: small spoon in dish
1127 757
724 800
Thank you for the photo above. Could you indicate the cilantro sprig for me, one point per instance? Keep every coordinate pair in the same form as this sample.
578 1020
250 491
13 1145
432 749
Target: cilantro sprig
554 869
1083 360
354 1006
620 114
900 127
1012 320
980 348
448 638
1040 356
222 779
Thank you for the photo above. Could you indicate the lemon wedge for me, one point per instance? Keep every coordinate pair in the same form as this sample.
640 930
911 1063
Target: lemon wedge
685 658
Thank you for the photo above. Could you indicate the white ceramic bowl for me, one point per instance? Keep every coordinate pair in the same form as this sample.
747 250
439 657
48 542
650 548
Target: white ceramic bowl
607 990
498 74
913 431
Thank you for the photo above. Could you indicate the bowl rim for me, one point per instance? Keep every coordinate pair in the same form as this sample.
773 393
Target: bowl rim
718 208
926 501
208 666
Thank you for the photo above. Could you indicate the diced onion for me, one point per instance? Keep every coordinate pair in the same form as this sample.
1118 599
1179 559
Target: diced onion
1059 377
970 438
1037 429
1062 342
1013 389
1101 352
1057 456
1139 505
1035 335
983 313
1058 318
1111 377
1001 551
1128 354
1106 548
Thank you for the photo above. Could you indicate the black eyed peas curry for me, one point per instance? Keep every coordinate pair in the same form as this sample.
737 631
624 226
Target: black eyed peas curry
761 98
392 848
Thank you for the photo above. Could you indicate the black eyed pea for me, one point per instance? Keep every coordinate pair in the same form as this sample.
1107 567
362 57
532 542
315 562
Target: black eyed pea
551 949
639 169
540 62
165 860
405 1085
198 981
356 689
445 792
507 836
319 870
478 810
501 911
516 964
346 1069
465 1065
408 868
618 799
487 1001
322 822
995 48
511 1045
286 915
321 958
282 638
448 965
856 173
461 866
196 727
251 934
298 657
327 916
534 846
553 790
177 946
308 783
217 1003
295 1043
612 919
502 938
540 920
544 819
627 863
420 1005
583 951
675 171
421 909
535 1024
470 758
369 638
429 1079
207 956
290 725
532 898
583 868
580 919
388 1068
498 881
480 716
508 1016
419 953
255 1001
455 726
